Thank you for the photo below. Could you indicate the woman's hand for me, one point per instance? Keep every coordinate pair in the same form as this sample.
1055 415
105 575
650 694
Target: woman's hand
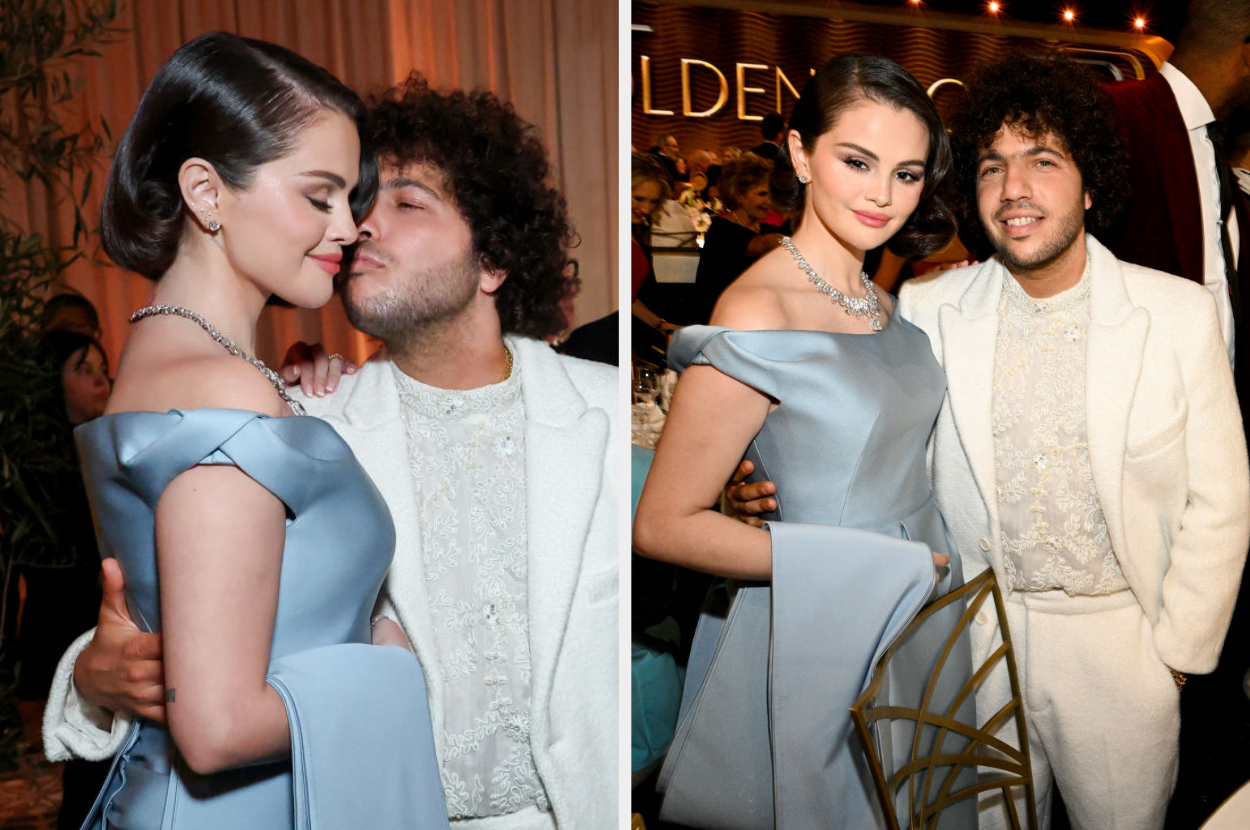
386 632
316 371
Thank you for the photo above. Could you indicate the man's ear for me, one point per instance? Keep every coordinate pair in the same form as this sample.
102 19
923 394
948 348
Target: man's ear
1089 200
491 279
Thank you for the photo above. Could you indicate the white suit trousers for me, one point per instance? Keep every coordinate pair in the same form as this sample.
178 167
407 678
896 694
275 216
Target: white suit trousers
1103 711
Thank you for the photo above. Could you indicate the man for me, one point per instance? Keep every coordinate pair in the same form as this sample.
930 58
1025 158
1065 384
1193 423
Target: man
1239 150
1171 124
1089 451
668 152
699 162
496 458
1188 217
773 127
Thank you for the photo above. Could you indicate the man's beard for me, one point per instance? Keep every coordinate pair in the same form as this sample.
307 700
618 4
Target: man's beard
420 300
1067 229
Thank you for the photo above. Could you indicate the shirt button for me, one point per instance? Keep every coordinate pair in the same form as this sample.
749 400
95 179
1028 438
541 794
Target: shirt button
984 543
982 618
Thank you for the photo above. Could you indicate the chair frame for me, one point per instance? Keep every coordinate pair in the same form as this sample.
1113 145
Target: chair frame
1014 763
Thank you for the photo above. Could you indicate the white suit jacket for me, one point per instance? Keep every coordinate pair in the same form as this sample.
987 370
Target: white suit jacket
1166 445
571 504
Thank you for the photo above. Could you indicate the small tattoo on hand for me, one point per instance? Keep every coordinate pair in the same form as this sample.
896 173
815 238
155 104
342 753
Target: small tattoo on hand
169 695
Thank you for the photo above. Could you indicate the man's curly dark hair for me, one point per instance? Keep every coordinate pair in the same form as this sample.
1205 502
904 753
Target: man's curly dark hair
495 169
1040 93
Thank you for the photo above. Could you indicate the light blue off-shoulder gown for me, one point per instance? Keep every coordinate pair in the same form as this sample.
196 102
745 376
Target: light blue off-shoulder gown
362 746
765 733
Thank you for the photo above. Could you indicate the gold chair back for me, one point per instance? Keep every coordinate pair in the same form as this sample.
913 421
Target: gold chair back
929 774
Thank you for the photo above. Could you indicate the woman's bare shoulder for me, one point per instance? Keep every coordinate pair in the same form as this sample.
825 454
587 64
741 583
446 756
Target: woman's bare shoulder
194 381
753 302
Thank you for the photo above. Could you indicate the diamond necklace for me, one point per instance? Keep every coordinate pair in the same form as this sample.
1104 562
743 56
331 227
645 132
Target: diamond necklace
866 306
225 342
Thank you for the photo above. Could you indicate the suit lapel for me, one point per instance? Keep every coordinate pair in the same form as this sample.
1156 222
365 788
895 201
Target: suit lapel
969 335
564 446
1113 363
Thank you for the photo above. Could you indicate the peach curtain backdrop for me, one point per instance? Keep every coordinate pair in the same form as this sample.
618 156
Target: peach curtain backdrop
555 60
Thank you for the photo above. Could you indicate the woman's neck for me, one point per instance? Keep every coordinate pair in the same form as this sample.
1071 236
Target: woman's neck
210 288
833 260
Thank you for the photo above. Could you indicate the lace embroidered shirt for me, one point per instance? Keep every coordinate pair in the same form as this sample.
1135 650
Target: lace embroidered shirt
1053 531
467 459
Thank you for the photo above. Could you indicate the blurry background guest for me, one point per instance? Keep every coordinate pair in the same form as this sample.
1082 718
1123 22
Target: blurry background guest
70 311
698 162
1239 148
649 190
740 234
773 127
666 151
61 586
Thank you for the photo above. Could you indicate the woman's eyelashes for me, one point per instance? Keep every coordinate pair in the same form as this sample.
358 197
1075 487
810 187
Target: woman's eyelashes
903 174
322 205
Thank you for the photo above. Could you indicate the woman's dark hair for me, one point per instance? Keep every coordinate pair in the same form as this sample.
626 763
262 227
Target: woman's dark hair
57 347
1040 94
68 300
495 169
235 102
740 175
842 83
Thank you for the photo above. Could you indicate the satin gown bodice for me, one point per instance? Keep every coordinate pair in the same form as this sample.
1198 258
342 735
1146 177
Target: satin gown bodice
339 535
846 444
338 545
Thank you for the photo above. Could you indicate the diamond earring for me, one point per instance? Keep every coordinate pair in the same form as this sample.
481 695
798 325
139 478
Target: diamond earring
212 224
802 179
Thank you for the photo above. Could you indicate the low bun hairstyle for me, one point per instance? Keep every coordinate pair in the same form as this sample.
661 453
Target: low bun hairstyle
842 83
235 102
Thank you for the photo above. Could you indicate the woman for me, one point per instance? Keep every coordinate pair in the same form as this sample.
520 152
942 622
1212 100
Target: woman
62 586
253 542
808 371
739 235
649 190
63 590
